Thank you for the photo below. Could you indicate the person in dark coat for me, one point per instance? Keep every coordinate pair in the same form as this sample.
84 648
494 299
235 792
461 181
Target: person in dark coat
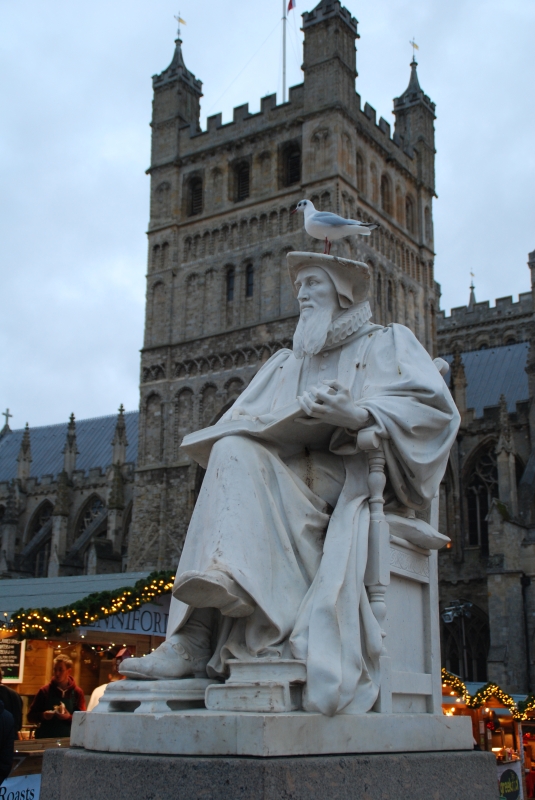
12 702
7 742
55 703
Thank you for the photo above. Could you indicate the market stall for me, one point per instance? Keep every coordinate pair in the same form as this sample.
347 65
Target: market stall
497 720
87 618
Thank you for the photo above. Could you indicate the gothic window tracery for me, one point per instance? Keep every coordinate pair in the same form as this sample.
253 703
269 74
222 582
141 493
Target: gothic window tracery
481 488
39 519
90 513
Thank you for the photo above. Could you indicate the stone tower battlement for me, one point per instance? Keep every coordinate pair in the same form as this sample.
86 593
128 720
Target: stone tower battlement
477 326
219 301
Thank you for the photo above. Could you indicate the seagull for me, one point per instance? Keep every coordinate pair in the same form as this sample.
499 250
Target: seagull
328 226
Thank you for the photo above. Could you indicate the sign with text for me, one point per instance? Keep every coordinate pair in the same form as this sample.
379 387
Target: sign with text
25 787
150 619
12 660
510 781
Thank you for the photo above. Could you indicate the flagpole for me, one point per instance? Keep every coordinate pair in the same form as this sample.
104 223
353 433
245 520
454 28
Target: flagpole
283 51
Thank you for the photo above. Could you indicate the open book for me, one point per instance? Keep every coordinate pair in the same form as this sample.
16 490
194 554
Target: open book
289 428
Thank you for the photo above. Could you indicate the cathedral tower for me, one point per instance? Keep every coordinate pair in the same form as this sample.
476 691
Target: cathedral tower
219 301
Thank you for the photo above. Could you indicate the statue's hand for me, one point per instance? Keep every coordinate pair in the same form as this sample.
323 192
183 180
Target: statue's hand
334 404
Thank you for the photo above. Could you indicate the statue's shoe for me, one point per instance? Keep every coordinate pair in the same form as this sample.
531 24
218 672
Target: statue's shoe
214 589
171 660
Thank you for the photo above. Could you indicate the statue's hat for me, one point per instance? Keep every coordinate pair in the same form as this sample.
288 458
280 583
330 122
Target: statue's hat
351 278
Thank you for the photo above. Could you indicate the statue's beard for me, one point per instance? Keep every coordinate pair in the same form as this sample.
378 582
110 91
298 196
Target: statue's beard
312 331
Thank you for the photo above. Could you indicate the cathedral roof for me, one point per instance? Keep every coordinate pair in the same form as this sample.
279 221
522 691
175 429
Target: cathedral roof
493 372
93 438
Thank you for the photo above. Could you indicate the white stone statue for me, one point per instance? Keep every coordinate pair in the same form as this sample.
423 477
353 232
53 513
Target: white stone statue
275 558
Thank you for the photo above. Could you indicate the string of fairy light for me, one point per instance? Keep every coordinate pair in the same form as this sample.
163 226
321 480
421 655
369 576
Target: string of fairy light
482 696
43 623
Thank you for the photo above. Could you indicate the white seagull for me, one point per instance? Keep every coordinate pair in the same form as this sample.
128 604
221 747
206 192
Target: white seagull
328 226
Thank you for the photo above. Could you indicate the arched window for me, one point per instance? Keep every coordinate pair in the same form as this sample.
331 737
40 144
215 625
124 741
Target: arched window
375 183
162 199
379 290
386 194
325 201
428 226
466 642
42 557
249 280
2 512
361 174
39 519
195 196
90 513
153 429
481 487
242 180
156 256
410 217
230 284
291 164
390 298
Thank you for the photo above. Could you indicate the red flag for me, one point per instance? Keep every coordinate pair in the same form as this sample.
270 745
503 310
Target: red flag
291 5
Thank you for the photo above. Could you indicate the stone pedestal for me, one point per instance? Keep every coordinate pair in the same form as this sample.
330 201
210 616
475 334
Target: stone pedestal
205 733
83 775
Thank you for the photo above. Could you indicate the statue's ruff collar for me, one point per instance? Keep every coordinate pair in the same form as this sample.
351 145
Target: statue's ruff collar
347 324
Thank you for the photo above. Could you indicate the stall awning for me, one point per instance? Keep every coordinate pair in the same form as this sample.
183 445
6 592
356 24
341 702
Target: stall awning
32 593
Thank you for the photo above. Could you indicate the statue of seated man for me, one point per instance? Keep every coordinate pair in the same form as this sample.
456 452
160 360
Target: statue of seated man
273 563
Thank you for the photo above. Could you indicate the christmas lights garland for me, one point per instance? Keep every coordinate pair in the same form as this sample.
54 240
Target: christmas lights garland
44 623
485 693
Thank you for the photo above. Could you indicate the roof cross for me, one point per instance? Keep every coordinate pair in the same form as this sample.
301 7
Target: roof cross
414 48
7 415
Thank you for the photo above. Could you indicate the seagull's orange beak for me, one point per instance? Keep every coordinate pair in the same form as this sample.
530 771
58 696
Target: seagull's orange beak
294 211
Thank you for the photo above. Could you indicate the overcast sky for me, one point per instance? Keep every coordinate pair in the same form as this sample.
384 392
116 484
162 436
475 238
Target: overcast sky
74 146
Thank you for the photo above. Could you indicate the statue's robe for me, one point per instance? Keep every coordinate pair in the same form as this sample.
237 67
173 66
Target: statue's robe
292 528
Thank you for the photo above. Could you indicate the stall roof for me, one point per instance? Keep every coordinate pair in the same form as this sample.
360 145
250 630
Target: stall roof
473 687
55 592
